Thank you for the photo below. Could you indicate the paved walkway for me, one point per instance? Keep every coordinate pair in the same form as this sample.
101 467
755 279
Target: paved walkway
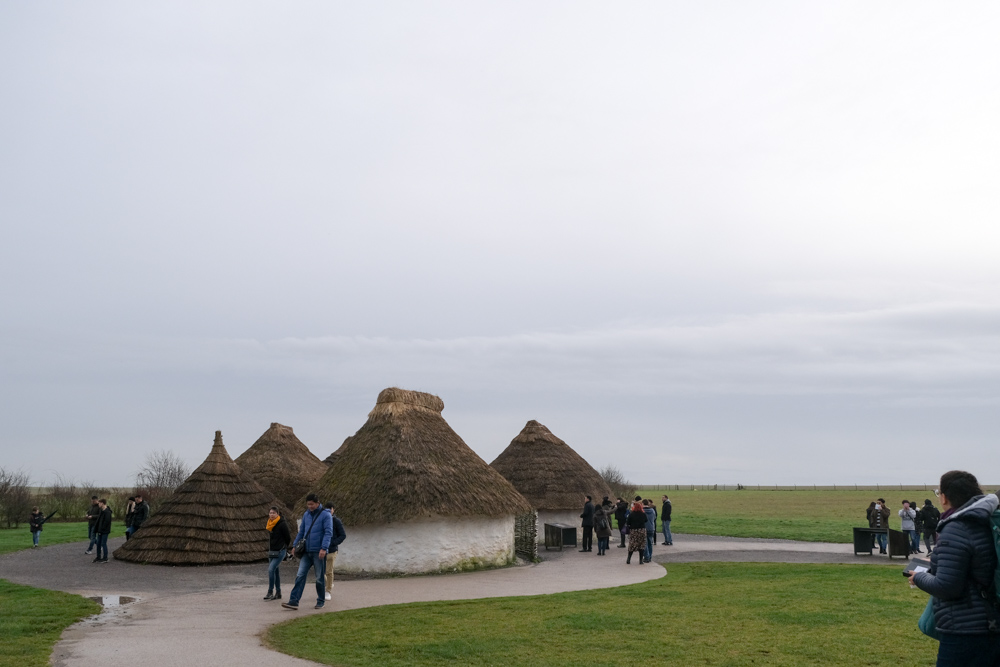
215 615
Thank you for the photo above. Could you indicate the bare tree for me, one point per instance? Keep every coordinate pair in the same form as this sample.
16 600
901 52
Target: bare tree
162 472
15 497
613 477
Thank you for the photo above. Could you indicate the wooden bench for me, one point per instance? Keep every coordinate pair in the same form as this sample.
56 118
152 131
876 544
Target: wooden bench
898 543
559 535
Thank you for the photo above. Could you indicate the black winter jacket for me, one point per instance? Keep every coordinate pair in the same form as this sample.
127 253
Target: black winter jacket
636 520
621 511
588 515
665 510
281 536
140 515
962 566
339 534
103 525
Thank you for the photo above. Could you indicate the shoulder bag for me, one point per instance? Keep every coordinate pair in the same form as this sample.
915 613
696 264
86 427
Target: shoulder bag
300 547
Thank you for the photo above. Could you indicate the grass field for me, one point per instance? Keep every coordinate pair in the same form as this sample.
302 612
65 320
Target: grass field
812 516
700 613
14 539
31 621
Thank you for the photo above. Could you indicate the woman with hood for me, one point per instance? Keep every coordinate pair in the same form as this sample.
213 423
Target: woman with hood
281 537
961 575
602 527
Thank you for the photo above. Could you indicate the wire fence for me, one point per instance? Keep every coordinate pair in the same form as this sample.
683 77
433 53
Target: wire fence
796 487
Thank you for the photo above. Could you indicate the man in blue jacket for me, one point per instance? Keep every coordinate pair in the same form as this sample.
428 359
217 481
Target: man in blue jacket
650 512
316 528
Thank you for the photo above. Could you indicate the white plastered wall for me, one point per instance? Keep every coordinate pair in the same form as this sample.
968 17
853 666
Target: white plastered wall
427 545
571 517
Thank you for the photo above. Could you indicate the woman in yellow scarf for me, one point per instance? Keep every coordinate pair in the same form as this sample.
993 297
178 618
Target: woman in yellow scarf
281 538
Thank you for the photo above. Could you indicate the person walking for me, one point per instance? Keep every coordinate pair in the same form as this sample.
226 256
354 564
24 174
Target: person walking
650 512
907 516
91 515
337 537
961 575
140 515
103 529
35 521
602 526
129 513
315 529
280 537
929 517
636 523
665 510
621 513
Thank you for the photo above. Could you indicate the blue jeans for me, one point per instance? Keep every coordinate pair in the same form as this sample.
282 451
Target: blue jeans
274 573
34 537
649 544
881 540
602 543
667 537
914 540
92 536
310 559
968 650
102 546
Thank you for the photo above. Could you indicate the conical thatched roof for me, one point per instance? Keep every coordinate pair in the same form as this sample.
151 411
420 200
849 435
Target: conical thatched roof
332 458
547 471
216 516
406 463
280 463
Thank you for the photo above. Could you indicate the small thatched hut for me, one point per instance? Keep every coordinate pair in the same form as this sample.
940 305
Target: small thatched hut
332 458
216 516
414 497
550 475
280 463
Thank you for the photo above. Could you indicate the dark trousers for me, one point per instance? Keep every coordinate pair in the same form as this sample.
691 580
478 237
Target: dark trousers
588 538
102 546
968 650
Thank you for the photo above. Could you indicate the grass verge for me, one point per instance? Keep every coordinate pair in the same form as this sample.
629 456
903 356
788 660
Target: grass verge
811 516
701 613
15 539
32 619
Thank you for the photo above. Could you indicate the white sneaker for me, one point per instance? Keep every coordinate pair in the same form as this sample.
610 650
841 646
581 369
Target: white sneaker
329 597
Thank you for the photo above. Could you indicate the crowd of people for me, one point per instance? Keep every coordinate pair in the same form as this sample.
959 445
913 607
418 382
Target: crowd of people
636 522
914 522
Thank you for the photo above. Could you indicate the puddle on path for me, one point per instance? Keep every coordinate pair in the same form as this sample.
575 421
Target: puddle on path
109 601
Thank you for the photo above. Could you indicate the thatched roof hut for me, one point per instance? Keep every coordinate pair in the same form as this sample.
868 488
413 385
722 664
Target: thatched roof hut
280 463
332 458
406 481
548 472
216 516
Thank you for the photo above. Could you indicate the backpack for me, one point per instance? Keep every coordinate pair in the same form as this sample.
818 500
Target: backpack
602 523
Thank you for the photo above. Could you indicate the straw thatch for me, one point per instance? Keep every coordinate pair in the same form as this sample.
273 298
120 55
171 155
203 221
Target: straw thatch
280 463
406 463
216 516
332 458
547 471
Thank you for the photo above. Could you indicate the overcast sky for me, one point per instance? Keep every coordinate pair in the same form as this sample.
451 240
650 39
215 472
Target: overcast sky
706 242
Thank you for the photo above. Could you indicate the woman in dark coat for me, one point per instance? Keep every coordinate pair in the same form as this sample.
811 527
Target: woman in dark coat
602 527
961 575
281 538
636 523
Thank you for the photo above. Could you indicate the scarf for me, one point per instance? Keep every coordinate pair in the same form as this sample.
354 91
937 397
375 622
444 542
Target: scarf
271 523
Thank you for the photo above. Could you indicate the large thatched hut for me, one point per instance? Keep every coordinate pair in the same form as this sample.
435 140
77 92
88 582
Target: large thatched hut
414 497
216 516
550 475
280 463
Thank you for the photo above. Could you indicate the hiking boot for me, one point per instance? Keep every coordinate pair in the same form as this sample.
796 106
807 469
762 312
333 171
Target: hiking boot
277 596
289 605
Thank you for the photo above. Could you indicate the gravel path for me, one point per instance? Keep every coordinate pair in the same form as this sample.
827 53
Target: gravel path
215 615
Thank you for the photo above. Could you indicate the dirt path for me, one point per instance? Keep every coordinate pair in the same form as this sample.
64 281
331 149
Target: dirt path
215 615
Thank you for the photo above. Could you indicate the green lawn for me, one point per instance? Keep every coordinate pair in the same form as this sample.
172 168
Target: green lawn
700 613
14 539
812 516
32 619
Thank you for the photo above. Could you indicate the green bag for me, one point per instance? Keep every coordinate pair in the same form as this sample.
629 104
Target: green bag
926 622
